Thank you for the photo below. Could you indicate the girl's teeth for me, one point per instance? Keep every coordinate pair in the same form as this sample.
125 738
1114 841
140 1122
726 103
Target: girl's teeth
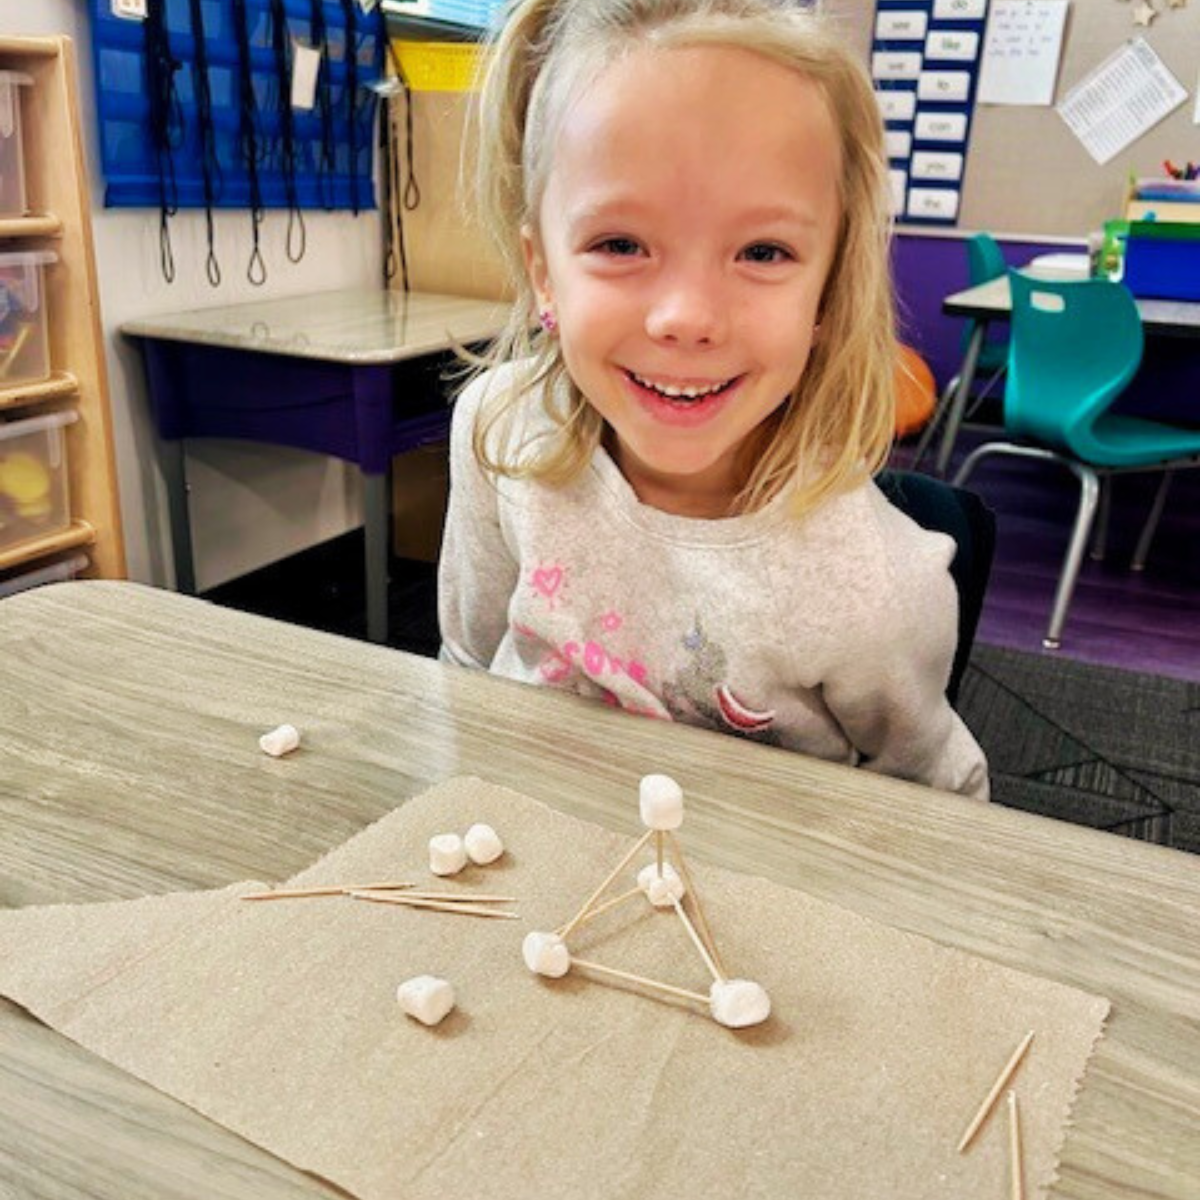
677 393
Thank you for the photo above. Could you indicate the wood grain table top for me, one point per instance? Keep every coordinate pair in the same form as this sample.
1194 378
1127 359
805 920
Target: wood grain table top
129 765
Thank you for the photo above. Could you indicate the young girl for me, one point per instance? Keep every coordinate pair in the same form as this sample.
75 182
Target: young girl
662 498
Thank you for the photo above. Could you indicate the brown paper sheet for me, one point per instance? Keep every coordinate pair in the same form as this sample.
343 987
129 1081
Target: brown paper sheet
278 1020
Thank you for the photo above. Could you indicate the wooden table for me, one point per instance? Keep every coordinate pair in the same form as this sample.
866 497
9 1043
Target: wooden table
355 374
992 301
128 765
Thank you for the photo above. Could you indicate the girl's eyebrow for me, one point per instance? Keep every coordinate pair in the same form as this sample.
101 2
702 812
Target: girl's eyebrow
607 209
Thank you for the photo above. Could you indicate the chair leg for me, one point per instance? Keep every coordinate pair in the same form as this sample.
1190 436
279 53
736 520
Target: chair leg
934 422
975 458
1100 539
1089 493
1151 526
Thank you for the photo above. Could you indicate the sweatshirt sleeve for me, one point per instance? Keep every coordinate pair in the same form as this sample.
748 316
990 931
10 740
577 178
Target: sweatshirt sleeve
477 572
888 691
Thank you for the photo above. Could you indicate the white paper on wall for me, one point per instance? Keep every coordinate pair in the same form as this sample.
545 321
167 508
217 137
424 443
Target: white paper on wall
1021 52
1127 94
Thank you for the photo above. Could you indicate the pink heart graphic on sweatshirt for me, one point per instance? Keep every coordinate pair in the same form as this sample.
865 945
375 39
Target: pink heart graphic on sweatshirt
547 581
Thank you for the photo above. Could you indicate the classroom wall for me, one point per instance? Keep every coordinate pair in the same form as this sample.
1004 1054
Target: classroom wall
251 504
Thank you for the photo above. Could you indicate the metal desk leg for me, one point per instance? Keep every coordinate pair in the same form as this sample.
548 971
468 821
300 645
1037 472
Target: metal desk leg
959 404
377 506
175 477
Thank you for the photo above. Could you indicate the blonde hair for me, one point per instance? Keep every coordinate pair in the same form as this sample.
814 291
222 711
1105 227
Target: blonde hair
839 421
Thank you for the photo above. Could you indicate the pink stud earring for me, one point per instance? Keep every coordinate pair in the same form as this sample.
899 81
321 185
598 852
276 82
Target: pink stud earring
548 321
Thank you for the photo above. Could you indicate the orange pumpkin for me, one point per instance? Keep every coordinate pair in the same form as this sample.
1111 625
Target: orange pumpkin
916 392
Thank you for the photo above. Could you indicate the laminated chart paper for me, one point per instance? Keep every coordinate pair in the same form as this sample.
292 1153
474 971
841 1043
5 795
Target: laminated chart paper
880 1047
1127 94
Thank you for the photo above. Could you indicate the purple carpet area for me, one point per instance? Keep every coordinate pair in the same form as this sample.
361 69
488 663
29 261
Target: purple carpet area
1148 621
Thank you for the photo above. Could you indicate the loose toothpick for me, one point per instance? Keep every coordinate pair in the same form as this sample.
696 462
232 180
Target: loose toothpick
705 932
699 942
440 905
1016 1161
454 897
340 889
603 908
651 984
583 912
1001 1080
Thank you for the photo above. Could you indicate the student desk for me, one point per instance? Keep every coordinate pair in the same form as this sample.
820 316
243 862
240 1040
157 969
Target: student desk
129 766
991 301
353 374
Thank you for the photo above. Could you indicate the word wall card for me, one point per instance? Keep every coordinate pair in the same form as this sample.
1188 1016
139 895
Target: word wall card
925 63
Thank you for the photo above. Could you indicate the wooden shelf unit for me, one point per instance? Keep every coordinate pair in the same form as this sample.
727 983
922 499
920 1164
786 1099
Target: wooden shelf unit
58 191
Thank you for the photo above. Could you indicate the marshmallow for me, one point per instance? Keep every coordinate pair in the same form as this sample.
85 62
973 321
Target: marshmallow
660 799
279 741
447 854
737 1003
483 844
662 891
426 997
546 954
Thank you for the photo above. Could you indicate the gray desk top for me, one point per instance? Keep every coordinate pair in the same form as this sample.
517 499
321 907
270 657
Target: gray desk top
359 327
992 299
129 765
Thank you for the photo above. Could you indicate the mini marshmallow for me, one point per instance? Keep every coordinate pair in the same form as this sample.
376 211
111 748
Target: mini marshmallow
737 1003
660 800
279 741
483 844
426 997
546 954
662 891
447 854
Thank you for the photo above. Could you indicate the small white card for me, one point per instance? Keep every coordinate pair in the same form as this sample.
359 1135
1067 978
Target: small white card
897 105
927 164
306 66
897 143
897 182
129 10
941 127
936 203
890 65
959 10
901 26
953 45
950 86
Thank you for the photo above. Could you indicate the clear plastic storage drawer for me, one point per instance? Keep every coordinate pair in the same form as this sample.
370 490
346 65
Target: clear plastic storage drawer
34 496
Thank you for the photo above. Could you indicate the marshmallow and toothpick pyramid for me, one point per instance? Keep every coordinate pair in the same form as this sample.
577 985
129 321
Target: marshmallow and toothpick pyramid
735 1003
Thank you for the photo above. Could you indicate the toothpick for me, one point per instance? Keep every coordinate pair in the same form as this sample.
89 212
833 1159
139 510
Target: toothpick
440 905
704 954
705 932
652 984
603 908
579 916
340 889
453 897
986 1107
1015 1159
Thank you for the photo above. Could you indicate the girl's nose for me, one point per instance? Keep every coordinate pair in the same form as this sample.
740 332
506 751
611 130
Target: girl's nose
687 311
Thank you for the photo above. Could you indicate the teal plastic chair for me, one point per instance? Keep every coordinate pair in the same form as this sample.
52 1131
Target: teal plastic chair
985 262
1074 347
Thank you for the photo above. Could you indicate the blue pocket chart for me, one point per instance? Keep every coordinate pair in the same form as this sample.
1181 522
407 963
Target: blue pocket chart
925 67
332 142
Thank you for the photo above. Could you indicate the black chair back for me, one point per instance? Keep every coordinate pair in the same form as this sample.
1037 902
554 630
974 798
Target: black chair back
939 507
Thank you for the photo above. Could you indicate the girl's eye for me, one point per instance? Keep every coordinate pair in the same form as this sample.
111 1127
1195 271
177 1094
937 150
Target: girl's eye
767 253
618 247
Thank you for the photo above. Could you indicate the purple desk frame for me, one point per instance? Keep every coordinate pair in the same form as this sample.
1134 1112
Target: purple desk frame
361 413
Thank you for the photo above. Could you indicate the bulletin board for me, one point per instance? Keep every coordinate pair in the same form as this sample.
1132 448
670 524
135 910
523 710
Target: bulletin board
1026 174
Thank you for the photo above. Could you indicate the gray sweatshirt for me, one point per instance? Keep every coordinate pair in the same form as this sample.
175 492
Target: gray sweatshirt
832 635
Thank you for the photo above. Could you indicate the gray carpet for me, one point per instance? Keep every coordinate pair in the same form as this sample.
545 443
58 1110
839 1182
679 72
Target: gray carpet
1098 746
